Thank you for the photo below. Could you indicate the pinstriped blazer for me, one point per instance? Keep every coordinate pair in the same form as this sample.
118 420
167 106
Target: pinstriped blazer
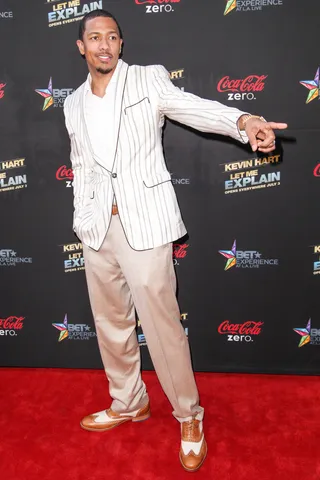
139 179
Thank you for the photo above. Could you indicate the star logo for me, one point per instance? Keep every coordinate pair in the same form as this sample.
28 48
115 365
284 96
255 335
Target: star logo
47 94
63 327
313 86
231 5
231 256
305 334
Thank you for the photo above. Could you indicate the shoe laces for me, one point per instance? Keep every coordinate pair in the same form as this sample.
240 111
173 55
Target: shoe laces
190 430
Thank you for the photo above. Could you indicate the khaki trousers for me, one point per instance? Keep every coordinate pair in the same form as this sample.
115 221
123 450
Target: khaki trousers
119 280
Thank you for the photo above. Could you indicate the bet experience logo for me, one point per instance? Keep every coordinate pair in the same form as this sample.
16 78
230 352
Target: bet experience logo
10 258
242 89
74 261
9 179
53 96
316 264
179 181
71 11
240 332
73 331
250 5
313 86
157 6
308 335
246 258
245 175
8 14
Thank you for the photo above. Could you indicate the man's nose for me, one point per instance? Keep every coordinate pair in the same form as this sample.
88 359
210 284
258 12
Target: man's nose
104 44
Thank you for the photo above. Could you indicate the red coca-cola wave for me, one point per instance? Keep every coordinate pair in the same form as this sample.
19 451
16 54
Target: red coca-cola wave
12 323
2 85
252 83
180 251
316 171
64 173
246 328
142 2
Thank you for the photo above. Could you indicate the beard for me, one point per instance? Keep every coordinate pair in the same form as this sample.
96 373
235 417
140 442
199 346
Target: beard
104 71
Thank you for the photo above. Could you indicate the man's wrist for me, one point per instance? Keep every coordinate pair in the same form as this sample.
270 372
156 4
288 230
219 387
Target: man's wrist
244 119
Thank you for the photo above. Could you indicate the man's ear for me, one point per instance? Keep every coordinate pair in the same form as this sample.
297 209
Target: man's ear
80 46
121 48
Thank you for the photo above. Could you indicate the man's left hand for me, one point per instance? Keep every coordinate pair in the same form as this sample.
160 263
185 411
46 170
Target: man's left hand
261 134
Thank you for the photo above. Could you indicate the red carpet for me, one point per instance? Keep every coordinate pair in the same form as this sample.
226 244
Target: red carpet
257 428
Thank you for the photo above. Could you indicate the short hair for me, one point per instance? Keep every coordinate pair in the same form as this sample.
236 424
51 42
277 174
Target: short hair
95 14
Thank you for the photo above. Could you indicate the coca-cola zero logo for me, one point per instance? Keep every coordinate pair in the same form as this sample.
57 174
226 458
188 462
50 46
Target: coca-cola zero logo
316 171
66 174
2 85
242 89
157 6
179 251
10 325
240 332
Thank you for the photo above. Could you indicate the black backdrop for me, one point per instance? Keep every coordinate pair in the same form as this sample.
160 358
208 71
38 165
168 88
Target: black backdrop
251 54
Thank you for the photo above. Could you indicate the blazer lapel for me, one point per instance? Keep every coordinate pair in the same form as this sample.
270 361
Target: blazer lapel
119 95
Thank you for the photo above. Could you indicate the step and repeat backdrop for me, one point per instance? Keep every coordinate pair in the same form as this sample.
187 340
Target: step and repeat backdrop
249 269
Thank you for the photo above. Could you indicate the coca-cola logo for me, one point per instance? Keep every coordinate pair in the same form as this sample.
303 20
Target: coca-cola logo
158 6
252 83
2 85
316 171
155 2
180 250
240 332
64 173
12 323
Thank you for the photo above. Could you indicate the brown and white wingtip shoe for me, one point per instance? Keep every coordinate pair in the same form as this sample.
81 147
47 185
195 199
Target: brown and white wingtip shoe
108 419
193 450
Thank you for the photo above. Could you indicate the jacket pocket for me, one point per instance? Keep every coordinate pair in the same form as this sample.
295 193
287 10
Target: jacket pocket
157 178
136 103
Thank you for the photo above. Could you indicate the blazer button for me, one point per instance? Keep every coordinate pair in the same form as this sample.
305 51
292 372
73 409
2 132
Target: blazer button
114 175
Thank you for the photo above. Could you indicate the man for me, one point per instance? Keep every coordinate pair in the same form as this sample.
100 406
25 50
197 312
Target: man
127 216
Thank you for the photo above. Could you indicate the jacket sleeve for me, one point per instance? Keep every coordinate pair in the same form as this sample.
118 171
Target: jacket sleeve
204 115
77 162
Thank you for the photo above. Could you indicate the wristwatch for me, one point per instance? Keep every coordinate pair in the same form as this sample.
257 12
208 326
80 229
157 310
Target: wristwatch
244 118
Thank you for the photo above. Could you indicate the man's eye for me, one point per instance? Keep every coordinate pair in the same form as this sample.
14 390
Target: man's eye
113 37
94 38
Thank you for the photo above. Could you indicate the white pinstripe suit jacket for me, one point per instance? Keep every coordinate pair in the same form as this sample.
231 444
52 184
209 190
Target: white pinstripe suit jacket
139 179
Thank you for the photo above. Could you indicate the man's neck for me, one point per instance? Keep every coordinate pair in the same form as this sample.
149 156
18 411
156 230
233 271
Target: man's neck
100 81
